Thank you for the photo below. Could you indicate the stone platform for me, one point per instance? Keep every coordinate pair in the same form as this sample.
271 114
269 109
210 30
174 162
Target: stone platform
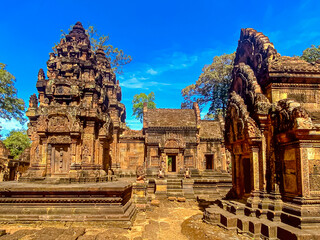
232 215
109 202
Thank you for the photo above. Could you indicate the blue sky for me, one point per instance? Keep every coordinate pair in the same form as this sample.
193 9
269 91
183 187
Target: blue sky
169 41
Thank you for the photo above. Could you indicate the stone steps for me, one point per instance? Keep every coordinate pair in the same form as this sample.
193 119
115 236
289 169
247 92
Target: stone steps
254 227
174 187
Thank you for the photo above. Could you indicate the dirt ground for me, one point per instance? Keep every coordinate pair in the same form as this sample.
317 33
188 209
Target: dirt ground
171 220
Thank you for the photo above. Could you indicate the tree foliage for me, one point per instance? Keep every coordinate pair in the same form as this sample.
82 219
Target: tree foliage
10 105
311 54
17 142
138 101
212 86
115 55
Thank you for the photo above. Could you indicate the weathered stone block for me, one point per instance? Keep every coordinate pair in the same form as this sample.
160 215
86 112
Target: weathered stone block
155 203
181 199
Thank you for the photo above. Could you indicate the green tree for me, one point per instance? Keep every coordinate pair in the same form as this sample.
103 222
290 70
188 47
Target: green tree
138 101
10 105
116 56
311 54
212 86
17 142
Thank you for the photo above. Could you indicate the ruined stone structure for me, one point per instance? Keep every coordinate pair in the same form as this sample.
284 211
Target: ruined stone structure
77 113
10 168
272 132
4 162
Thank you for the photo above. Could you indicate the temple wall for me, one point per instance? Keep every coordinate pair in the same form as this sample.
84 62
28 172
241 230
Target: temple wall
308 95
212 148
131 154
314 168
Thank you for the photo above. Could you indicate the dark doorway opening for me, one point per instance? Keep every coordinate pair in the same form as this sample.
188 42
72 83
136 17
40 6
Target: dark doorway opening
209 161
172 163
247 175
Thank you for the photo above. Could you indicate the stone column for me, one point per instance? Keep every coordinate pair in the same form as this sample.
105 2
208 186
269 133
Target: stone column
303 171
254 160
88 144
254 200
49 159
73 150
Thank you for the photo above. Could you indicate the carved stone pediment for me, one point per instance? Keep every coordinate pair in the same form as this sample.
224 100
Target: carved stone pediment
173 141
58 123
42 123
239 125
60 139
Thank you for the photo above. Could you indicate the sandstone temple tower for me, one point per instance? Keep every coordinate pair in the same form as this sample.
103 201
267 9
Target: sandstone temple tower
76 112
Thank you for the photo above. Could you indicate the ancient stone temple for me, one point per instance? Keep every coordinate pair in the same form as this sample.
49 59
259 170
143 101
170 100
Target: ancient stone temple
73 122
177 144
272 132
77 108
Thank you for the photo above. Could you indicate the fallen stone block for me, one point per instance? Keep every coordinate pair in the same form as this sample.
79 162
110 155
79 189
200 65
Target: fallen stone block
181 199
172 198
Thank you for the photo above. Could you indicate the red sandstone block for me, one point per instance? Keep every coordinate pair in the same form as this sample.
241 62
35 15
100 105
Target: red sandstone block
172 198
155 203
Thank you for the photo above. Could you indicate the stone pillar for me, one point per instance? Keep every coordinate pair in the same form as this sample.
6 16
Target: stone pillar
73 151
254 160
88 143
254 200
264 163
303 171
236 174
49 159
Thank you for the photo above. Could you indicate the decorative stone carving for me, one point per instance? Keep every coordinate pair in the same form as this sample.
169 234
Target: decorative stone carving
33 101
74 111
58 124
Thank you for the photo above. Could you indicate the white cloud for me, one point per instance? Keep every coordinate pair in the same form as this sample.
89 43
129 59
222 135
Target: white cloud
144 74
9 125
152 72
141 82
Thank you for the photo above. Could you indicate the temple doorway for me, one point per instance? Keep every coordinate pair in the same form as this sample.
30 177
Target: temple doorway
172 163
209 161
60 159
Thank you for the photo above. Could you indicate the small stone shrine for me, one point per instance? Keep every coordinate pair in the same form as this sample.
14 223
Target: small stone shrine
72 123
273 134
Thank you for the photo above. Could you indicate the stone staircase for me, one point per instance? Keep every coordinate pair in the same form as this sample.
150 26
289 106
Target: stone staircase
174 187
231 215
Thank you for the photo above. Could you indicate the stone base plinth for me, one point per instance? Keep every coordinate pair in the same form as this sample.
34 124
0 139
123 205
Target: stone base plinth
140 194
161 188
109 202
